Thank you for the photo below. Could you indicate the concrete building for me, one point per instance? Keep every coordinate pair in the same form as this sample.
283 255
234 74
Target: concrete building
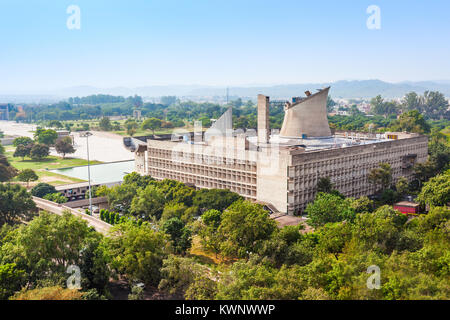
279 170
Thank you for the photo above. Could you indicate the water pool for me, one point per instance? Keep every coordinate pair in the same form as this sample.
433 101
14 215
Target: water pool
100 173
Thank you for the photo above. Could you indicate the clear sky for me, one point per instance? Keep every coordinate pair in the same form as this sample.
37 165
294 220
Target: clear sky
227 42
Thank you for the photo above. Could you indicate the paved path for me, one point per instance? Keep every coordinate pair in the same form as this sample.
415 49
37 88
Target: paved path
99 226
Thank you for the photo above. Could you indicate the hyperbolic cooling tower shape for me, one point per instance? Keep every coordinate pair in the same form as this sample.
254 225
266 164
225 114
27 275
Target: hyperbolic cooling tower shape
307 117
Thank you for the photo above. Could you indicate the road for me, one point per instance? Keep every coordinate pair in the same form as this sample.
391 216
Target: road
59 209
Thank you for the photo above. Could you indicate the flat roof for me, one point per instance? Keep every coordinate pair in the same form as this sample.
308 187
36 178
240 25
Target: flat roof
406 204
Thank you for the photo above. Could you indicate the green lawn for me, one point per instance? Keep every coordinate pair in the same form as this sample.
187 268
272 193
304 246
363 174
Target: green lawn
51 162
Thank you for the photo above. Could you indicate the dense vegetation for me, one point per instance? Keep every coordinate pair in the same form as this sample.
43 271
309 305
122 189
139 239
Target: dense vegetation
240 253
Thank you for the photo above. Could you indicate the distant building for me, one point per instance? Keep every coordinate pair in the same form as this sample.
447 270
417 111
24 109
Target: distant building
407 207
280 169
4 112
137 114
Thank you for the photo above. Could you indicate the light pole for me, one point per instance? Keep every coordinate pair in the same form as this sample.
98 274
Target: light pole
86 135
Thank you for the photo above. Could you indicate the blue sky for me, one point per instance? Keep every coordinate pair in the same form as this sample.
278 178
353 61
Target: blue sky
209 42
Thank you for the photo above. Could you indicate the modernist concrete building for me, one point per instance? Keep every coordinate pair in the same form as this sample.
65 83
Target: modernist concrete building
279 170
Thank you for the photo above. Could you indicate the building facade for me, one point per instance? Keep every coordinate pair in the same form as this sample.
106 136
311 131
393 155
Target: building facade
282 172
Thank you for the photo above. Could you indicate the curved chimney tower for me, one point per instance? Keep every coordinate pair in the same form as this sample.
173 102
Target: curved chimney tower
307 117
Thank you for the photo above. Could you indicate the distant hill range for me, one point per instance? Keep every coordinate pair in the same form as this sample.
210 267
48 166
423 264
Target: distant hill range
339 89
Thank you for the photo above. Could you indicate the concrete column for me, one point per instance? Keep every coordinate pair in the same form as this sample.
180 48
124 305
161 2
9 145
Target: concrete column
263 119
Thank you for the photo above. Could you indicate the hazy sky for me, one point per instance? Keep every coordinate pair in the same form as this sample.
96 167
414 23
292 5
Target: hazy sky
208 42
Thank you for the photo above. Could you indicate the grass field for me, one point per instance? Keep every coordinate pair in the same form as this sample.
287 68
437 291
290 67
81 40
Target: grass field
41 167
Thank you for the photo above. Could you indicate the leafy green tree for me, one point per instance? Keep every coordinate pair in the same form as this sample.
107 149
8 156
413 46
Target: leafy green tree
62 241
137 293
7 171
381 107
16 204
402 186
180 235
42 189
105 124
23 151
412 101
411 121
131 127
47 137
56 197
27 175
435 104
137 179
363 204
39 151
324 185
64 146
119 197
11 280
182 275
174 209
148 203
151 124
244 225
328 208
436 192
210 238
217 199
137 252
24 141
381 177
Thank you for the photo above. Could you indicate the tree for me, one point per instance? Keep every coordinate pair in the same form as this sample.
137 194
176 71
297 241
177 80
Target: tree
64 146
148 203
330 104
435 104
436 192
42 189
217 199
56 197
411 121
16 204
62 241
151 124
119 197
131 126
23 150
105 124
47 137
11 280
22 141
402 186
179 275
381 177
179 234
55 124
210 238
381 107
7 171
39 151
244 225
412 101
328 208
137 252
27 175
168 100
324 185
